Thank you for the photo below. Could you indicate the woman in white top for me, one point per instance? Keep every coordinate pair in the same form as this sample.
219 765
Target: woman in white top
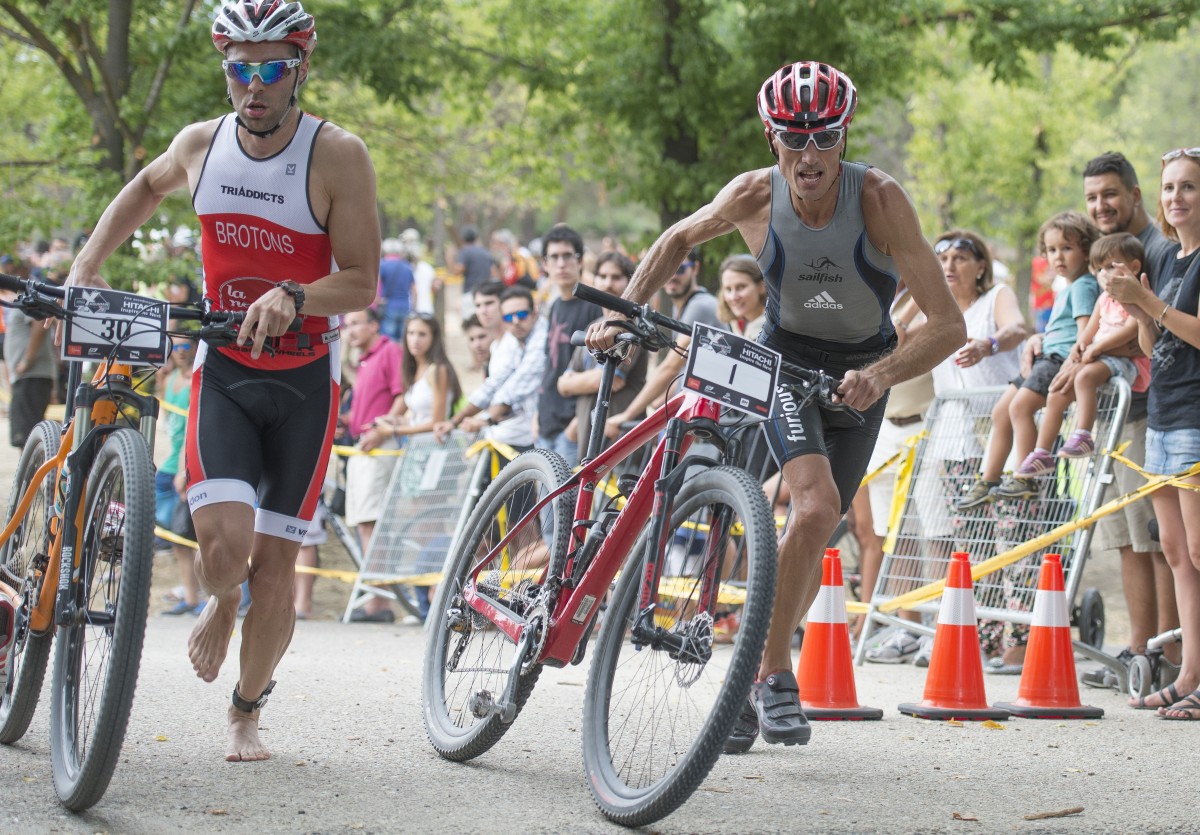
990 357
742 303
431 387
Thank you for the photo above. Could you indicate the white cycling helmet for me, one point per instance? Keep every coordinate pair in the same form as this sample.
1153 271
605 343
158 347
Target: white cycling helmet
260 21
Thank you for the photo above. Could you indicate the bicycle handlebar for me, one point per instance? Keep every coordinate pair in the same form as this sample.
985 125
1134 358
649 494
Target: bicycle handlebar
629 308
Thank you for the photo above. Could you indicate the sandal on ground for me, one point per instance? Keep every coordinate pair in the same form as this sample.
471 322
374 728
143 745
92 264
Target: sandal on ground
745 730
1168 694
997 667
1189 706
777 703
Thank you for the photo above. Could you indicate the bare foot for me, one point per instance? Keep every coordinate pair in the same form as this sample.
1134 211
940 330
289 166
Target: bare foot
243 744
209 640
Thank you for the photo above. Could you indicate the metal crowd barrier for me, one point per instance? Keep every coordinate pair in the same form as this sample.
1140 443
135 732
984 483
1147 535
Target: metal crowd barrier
1011 535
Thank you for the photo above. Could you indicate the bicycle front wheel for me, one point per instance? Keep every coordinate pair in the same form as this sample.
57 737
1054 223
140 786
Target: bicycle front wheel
468 661
661 696
98 654
20 570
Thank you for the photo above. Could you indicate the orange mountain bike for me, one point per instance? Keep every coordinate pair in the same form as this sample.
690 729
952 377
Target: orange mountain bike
77 546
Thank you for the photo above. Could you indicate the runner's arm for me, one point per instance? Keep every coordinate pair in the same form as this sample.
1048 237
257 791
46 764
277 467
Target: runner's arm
892 225
137 202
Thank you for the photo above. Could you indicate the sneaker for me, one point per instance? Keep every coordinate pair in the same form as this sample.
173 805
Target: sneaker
924 652
363 616
777 704
725 628
899 648
1103 677
184 608
1081 444
1038 462
1015 487
745 730
979 494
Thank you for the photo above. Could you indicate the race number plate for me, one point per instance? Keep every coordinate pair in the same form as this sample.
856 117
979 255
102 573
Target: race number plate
110 324
732 370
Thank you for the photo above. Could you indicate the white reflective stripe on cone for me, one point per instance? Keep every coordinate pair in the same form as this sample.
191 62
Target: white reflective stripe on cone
958 607
1050 609
830 605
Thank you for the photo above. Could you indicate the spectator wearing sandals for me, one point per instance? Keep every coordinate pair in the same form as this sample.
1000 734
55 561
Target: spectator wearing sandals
1169 331
1114 203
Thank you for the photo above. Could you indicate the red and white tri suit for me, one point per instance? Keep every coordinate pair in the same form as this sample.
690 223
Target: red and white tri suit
260 431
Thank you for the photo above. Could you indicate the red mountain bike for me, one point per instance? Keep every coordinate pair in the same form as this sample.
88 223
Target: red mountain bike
687 539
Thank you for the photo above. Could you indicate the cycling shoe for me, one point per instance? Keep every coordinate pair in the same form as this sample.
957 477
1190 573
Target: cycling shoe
745 730
780 717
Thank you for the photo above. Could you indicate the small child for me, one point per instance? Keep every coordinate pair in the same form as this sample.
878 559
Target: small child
1065 241
1090 362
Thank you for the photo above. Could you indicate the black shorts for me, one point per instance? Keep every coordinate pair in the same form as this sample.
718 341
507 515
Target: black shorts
807 429
262 438
1045 367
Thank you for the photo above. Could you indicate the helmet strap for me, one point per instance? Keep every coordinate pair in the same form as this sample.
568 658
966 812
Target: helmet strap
263 134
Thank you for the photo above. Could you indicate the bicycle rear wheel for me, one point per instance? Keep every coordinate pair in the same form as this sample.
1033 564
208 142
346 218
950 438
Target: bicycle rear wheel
97 658
30 542
467 659
658 709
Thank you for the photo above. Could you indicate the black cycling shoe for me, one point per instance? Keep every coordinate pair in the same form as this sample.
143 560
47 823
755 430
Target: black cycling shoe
745 730
780 717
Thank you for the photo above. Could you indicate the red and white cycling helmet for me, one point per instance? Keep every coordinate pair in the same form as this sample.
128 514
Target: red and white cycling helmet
807 96
261 21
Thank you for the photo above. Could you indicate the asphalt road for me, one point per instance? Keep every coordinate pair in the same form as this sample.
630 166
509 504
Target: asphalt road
350 755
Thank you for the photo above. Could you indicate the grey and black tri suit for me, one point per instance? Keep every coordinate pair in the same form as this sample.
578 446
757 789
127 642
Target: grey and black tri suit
829 292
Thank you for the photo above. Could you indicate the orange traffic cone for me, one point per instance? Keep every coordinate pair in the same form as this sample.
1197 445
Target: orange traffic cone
826 669
1048 689
954 686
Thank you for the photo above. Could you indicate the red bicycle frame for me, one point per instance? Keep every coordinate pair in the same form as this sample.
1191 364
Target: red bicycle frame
575 608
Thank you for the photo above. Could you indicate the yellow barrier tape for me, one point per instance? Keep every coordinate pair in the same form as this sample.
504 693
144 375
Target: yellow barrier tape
1154 482
175 410
685 587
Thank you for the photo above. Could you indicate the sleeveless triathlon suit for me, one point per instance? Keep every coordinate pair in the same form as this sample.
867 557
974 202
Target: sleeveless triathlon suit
829 294
260 431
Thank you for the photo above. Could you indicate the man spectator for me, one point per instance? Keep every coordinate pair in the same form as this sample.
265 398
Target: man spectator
486 304
1114 203
563 258
397 288
505 404
426 284
479 344
32 369
474 264
582 379
378 398
690 303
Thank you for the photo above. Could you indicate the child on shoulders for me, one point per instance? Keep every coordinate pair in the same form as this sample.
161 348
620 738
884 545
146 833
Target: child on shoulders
1100 354
1065 240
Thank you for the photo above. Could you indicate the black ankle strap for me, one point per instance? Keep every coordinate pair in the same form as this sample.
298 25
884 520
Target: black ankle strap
246 706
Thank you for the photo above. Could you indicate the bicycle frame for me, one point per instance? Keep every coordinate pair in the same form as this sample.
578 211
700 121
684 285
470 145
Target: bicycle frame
95 413
574 611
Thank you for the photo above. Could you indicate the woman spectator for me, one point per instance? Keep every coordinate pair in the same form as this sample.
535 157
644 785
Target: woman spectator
990 357
431 387
1169 331
742 303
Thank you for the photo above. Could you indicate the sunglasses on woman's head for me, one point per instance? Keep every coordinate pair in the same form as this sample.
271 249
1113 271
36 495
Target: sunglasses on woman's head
1170 156
964 244
267 71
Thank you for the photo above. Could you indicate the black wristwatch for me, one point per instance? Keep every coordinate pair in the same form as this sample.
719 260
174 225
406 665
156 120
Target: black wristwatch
294 290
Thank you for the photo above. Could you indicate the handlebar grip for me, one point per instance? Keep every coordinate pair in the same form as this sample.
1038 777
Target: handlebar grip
19 285
629 308
607 300
11 283
577 338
